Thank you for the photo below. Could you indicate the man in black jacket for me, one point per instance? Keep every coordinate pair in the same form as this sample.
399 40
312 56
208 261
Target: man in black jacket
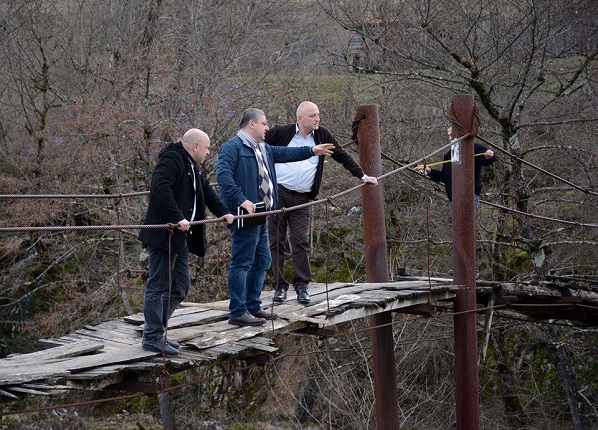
298 182
179 195
482 157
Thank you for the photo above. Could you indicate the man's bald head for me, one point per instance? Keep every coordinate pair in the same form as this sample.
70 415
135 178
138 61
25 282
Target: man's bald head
304 107
192 136
308 117
196 142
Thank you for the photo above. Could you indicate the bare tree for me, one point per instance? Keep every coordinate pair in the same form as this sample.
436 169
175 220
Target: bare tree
531 66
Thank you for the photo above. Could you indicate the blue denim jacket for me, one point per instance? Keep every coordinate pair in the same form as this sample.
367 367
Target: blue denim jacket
237 171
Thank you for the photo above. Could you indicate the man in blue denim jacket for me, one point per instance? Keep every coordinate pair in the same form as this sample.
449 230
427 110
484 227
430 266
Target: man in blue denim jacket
245 174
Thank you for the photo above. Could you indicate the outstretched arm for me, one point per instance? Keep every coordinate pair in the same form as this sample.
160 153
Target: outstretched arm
323 149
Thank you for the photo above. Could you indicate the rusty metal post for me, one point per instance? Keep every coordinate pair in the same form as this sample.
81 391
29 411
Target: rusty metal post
376 265
464 260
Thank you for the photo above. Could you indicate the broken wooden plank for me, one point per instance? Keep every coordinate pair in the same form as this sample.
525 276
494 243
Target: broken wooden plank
7 394
23 390
63 351
233 334
205 334
252 343
137 319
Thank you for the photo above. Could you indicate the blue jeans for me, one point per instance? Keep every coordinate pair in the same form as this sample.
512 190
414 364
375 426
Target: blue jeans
156 309
249 262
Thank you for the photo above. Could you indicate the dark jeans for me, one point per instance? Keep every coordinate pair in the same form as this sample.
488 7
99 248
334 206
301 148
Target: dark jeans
297 222
249 263
156 310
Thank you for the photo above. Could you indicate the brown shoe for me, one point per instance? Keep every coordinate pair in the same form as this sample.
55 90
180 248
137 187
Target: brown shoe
265 315
246 320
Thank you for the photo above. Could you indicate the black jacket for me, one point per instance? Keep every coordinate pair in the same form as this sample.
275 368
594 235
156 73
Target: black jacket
171 200
281 135
445 175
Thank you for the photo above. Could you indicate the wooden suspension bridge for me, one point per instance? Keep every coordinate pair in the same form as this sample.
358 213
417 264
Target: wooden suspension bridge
109 355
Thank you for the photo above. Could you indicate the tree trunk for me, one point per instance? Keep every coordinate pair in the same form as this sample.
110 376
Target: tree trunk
516 416
562 363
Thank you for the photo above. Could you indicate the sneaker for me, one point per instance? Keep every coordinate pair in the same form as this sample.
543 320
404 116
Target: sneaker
161 347
265 315
280 295
246 320
302 296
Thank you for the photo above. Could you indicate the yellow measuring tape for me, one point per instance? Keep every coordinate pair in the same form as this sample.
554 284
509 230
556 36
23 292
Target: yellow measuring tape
438 163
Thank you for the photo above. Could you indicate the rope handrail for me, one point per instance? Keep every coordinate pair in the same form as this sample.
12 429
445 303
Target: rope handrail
72 196
116 227
545 218
514 157
288 209
210 220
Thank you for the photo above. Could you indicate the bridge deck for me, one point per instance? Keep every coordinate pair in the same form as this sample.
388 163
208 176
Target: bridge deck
110 353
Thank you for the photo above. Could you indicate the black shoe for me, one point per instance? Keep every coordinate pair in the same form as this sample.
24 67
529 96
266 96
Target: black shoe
160 347
246 320
302 296
280 295
173 343
265 315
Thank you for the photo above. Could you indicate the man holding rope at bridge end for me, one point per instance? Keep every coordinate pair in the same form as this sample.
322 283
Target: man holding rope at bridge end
179 195
298 183
483 157
246 176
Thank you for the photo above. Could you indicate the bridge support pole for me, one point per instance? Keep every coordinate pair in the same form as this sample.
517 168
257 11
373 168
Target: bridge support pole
376 263
464 120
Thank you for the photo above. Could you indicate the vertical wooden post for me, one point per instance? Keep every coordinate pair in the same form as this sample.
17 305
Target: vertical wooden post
464 260
376 263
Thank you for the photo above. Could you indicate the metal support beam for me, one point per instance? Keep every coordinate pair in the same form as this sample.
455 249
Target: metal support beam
376 263
464 120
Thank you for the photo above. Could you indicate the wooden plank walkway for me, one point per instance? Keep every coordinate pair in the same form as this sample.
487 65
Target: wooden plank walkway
100 356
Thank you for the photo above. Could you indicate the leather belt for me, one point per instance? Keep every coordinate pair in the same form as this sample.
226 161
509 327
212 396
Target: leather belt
297 193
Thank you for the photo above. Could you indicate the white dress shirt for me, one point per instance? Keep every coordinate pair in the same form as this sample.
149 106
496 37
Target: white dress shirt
298 175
